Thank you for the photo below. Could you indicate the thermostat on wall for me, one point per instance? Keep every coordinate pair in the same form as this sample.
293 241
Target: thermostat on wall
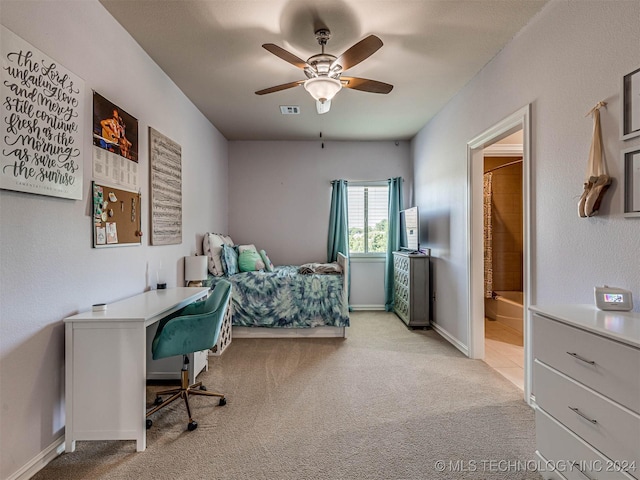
611 298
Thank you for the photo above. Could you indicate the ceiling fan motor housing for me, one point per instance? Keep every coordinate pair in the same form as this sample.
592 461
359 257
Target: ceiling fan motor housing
322 66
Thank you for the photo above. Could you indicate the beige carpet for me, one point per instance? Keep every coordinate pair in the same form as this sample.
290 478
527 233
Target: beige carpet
385 403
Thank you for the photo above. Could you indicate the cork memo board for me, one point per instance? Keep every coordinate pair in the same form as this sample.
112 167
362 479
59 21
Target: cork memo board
116 217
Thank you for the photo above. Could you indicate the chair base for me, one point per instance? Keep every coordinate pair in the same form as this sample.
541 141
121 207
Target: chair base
183 392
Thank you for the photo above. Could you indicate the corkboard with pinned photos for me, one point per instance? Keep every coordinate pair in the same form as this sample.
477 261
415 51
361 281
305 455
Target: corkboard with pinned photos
116 217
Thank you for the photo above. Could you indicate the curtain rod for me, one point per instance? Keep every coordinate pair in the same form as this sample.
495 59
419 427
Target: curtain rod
505 165
364 181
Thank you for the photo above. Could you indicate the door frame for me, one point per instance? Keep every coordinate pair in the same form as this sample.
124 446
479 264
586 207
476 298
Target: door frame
520 119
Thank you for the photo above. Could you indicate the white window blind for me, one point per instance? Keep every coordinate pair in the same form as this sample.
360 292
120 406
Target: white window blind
368 218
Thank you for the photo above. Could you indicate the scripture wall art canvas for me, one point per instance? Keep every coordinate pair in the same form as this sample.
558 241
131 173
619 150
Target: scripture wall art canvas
42 118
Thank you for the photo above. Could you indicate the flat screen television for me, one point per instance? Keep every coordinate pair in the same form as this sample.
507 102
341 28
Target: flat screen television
409 230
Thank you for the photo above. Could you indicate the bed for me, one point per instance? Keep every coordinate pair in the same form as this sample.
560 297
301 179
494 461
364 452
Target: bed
285 302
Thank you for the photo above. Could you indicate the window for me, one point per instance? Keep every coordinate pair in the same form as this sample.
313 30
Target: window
368 218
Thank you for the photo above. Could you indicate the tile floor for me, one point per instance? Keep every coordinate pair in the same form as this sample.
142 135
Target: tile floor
504 351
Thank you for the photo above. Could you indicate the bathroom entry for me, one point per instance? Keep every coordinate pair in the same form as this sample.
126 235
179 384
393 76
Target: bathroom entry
520 120
503 257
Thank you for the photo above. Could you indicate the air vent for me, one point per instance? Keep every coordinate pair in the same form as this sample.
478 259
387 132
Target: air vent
290 109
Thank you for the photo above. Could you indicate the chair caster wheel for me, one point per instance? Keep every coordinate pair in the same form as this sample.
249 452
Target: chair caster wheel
222 402
192 425
149 423
157 401
203 388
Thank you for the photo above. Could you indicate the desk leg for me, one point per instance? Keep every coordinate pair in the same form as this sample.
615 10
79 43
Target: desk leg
69 442
141 435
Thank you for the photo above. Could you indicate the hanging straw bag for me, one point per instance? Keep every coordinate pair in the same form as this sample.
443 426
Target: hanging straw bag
597 180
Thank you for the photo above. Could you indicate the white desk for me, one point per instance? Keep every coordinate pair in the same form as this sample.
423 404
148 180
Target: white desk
105 366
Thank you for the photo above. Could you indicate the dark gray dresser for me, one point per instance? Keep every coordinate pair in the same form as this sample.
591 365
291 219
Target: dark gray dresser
411 288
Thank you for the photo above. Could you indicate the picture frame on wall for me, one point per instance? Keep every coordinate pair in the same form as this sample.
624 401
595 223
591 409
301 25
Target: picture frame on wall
42 103
631 162
630 95
165 177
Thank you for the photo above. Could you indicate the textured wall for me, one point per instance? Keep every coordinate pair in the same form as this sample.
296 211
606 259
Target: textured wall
570 56
280 195
48 268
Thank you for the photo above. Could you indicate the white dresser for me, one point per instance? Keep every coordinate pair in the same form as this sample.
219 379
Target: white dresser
411 288
586 383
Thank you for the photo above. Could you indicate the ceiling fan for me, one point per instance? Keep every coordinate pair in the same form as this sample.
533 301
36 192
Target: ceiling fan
324 71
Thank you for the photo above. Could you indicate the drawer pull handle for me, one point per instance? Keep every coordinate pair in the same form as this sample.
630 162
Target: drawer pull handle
578 412
582 359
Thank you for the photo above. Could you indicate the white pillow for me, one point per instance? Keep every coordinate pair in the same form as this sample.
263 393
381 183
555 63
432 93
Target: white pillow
215 261
212 248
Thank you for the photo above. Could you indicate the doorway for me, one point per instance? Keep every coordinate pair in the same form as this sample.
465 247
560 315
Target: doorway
519 120
503 293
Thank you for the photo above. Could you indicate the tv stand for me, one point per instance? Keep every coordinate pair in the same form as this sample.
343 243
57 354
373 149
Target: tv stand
411 288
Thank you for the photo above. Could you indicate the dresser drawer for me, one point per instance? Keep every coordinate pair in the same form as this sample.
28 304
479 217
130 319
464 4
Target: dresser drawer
401 263
401 307
569 455
611 429
548 473
602 364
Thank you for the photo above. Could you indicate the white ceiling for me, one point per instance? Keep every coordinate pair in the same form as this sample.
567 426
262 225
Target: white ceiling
212 49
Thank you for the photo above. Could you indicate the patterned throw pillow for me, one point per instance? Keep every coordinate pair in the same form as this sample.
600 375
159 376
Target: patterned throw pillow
268 264
250 261
212 248
229 260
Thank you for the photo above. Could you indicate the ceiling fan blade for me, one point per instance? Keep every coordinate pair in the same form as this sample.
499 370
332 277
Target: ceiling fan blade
366 85
277 88
284 55
358 52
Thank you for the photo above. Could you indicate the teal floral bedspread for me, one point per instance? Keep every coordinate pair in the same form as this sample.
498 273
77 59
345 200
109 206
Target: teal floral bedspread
286 299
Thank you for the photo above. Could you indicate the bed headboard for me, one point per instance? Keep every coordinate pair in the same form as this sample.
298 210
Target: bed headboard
344 263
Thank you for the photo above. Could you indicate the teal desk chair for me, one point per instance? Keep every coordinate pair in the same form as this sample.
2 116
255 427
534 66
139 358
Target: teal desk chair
194 328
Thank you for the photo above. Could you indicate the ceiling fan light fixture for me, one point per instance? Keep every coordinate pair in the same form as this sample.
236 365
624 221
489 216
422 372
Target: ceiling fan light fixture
322 89
323 107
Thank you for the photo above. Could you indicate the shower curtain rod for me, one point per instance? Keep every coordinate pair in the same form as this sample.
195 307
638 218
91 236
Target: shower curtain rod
505 165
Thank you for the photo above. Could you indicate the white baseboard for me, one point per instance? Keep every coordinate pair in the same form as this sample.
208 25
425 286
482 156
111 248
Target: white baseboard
367 307
40 461
451 339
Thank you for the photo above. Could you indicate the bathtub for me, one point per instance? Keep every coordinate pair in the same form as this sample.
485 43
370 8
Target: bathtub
506 308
